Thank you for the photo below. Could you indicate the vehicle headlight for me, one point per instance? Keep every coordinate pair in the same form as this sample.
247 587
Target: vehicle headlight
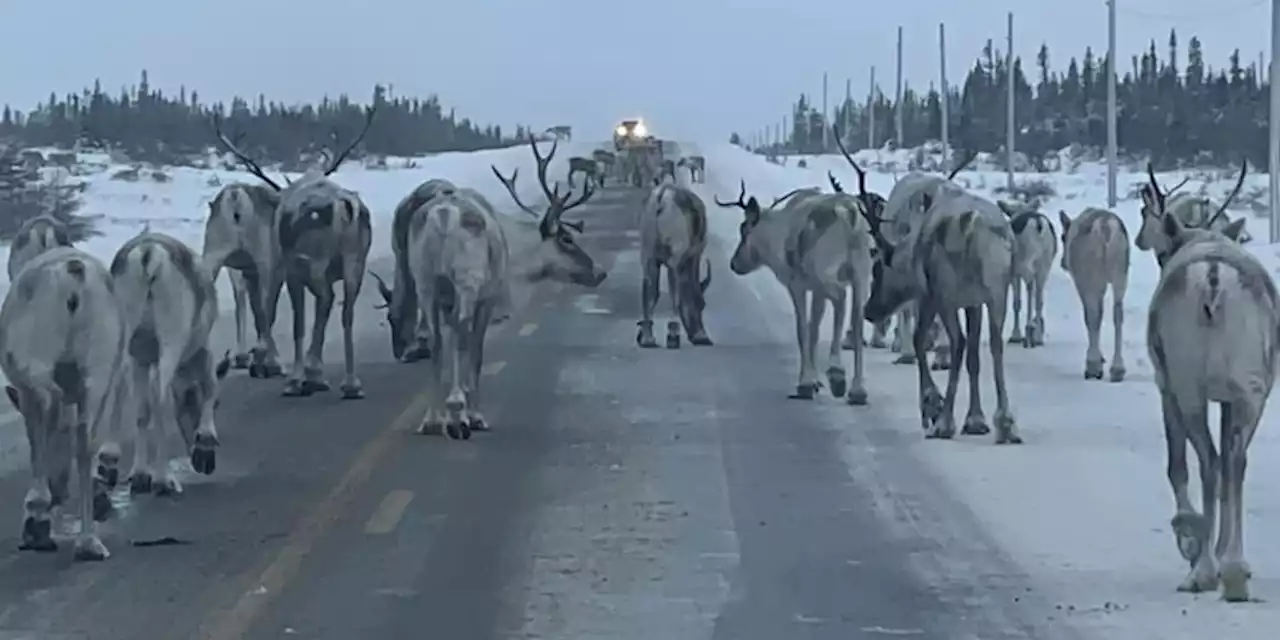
640 130
620 131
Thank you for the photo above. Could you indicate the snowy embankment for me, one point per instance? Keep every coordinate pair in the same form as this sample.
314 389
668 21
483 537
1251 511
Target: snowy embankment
1084 506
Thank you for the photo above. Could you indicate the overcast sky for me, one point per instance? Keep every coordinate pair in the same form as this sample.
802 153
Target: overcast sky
695 69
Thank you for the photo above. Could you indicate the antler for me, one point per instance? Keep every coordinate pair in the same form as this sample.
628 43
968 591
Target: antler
338 159
787 195
862 175
835 184
741 204
969 157
510 184
557 204
1244 168
244 159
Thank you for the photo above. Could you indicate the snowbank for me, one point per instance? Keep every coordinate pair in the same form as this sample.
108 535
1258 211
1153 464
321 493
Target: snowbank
1084 506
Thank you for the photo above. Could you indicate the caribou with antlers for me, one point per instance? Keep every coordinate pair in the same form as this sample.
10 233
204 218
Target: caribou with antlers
697 166
814 243
323 233
673 234
1192 212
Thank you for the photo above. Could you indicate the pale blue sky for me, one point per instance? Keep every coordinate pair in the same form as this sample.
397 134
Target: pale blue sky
695 69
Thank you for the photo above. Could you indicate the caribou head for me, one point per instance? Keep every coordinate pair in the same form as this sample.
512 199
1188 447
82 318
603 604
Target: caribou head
558 256
1155 234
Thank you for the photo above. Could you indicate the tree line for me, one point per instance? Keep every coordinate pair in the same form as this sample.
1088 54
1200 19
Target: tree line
1169 109
147 124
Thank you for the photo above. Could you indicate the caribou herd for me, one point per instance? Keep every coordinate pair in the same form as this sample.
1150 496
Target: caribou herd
88 347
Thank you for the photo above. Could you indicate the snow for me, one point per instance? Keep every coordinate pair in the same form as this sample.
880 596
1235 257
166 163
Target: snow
1084 507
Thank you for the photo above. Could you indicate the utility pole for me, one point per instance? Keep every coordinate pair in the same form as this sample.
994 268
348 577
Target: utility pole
871 111
1112 143
897 106
942 98
1009 117
848 103
1273 157
826 120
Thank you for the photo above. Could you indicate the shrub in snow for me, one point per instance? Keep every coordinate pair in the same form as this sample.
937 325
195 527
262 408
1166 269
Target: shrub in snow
24 194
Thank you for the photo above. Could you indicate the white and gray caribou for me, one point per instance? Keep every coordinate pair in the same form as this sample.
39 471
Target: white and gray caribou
1192 212
958 257
324 233
1095 251
817 244
1035 245
463 257
673 235
1212 337
34 237
61 346
169 307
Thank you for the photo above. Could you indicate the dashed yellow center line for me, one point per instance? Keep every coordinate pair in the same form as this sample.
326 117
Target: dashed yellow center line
389 512
528 329
493 368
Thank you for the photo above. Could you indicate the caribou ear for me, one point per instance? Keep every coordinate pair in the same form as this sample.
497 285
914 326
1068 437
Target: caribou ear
13 396
224 366
1066 222
1005 207
1235 231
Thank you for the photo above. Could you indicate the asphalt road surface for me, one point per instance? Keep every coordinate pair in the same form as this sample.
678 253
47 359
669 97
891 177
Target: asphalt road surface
622 493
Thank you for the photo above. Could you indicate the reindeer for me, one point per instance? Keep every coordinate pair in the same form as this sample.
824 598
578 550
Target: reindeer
958 256
586 166
815 243
463 257
34 237
1211 336
62 340
561 132
697 166
1095 251
169 307
1191 212
605 161
1035 245
324 233
240 235
873 205
666 169
673 234
406 323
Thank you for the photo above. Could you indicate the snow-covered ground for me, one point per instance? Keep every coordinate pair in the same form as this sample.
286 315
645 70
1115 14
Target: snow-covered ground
1084 506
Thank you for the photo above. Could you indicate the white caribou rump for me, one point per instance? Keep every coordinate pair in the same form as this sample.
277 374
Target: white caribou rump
960 257
34 237
673 235
169 306
62 342
1035 245
1192 213
1095 251
240 235
817 244
411 332
1212 337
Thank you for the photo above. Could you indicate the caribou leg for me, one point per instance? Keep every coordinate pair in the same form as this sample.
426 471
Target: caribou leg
295 387
432 419
93 494
264 303
1239 422
1195 531
1006 425
1015 335
931 402
351 281
142 476
807 386
475 362
314 381
37 505
1093 360
975 421
907 320
648 300
1117 318
240 296
1035 331
673 291
456 425
837 377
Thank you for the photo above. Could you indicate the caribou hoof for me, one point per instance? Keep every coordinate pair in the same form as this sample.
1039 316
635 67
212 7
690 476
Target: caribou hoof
59 490
700 340
835 378
848 343
109 475
1117 374
90 548
673 341
352 392
943 429
1092 375
141 483
458 430
37 535
1017 339
857 397
477 422
975 426
102 507
240 361
420 352
877 342
1189 532
314 385
168 486
905 359
804 392
295 389
646 341
256 370
204 457
940 365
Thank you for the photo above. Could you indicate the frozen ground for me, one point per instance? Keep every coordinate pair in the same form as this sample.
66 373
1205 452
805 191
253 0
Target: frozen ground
1084 507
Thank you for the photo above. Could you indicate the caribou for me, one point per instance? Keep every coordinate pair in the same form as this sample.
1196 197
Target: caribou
62 340
1211 337
406 323
673 234
1191 212
463 257
697 166
873 203
585 166
34 237
324 233
1035 245
605 160
169 307
958 256
814 243
666 169
1095 251
240 234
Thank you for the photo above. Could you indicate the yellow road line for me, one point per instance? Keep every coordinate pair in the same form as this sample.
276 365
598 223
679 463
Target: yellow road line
389 512
263 587
493 368
528 329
